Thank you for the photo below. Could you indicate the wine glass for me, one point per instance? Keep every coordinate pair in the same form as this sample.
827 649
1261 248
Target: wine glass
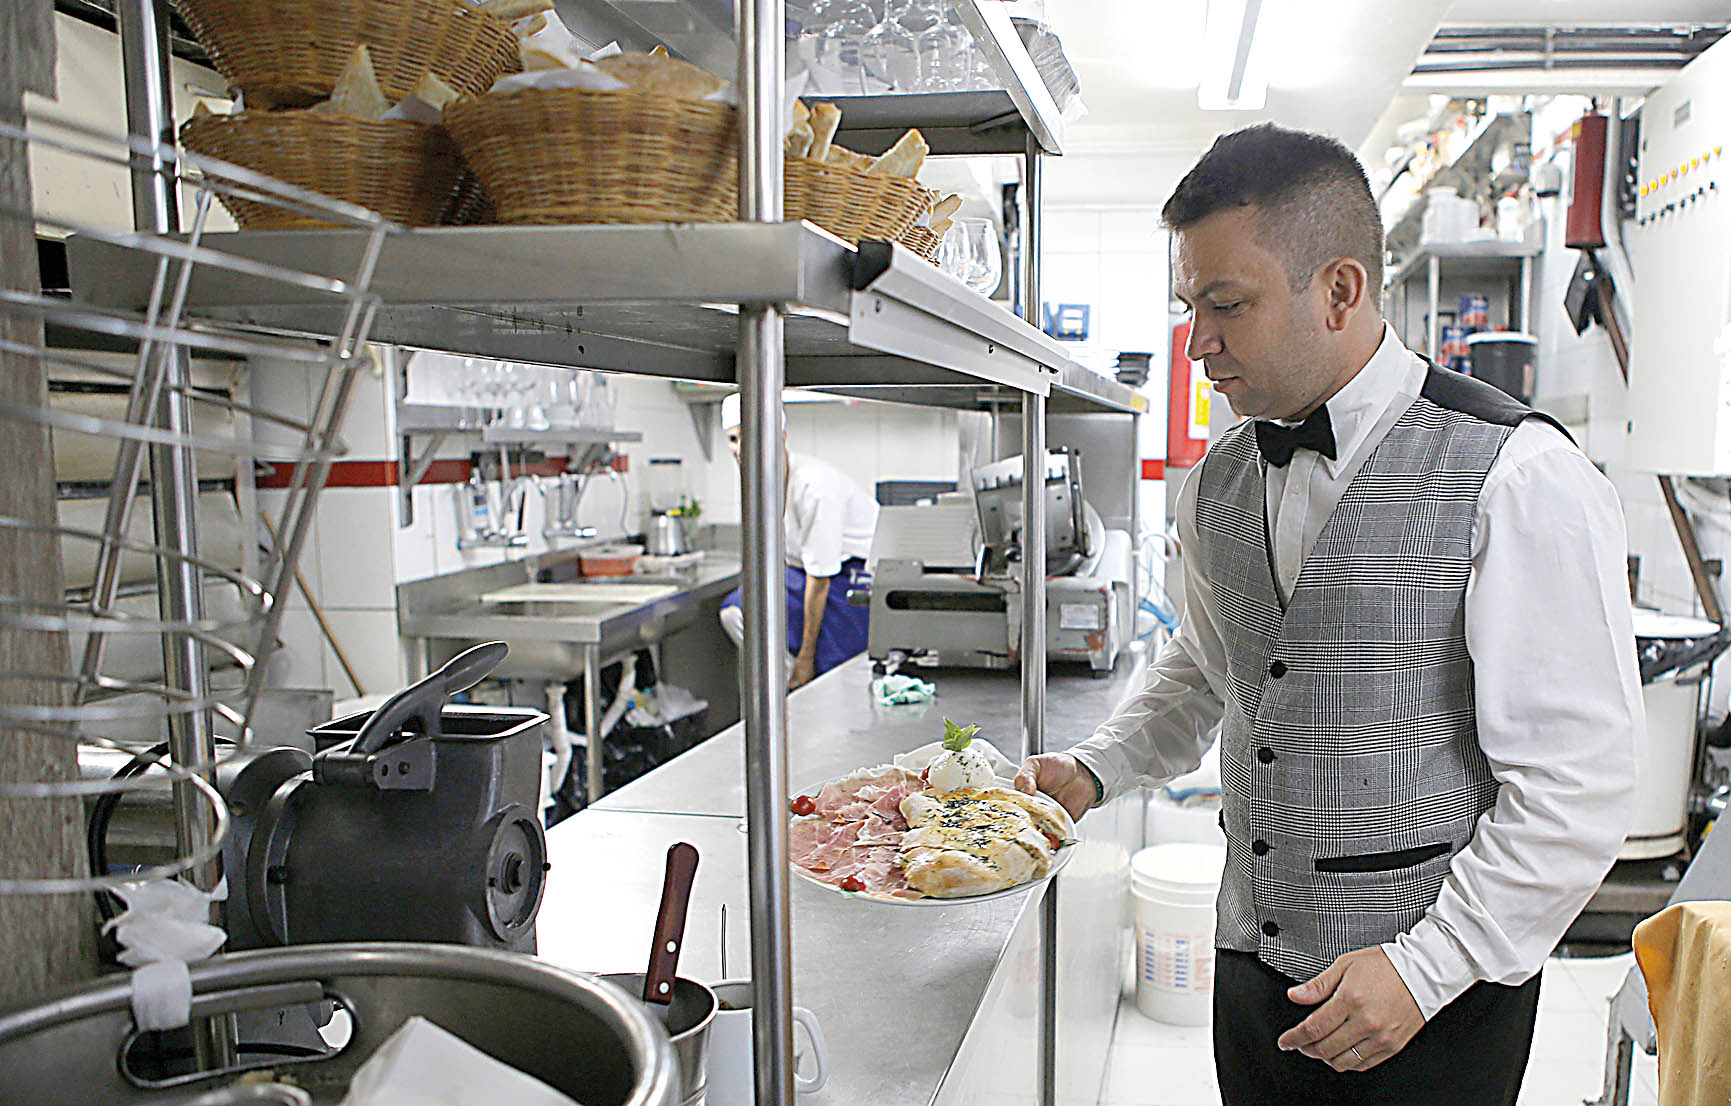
985 262
834 34
888 53
969 252
939 45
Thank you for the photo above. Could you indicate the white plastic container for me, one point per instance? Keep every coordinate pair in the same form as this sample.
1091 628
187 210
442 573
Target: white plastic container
1440 220
1173 887
1511 219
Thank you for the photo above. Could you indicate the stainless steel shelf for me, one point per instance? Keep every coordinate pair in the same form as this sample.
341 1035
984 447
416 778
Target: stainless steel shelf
428 418
1469 173
701 31
1460 256
1075 391
656 299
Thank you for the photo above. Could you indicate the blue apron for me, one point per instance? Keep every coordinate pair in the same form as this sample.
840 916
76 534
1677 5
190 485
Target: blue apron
843 632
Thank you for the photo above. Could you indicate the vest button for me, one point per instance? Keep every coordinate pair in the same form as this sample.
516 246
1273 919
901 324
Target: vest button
1270 929
1259 847
1277 669
1265 755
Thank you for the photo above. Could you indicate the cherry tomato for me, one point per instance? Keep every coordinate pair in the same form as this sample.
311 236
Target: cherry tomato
926 774
851 883
803 804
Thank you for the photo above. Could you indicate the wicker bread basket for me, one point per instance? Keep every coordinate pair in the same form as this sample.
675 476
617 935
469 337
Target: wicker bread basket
922 241
289 53
569 155
407 172
849 203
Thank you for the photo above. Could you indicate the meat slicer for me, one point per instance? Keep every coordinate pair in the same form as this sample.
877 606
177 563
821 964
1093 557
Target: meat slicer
946 576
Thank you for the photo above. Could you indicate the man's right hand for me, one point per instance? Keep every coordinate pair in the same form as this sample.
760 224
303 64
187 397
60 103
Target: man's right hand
1061 776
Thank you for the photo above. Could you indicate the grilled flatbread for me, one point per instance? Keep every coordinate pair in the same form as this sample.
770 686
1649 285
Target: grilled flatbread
971 842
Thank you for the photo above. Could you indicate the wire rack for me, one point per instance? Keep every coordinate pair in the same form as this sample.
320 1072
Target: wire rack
158 441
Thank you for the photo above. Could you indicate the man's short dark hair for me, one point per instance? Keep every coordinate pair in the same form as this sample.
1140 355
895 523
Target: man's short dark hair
1313 199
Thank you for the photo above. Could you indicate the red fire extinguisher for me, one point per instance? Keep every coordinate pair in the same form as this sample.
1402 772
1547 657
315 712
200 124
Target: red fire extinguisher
1189 396
1584 229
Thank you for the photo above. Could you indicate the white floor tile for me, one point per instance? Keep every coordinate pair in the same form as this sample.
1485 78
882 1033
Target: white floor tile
1558 1083
1570 1035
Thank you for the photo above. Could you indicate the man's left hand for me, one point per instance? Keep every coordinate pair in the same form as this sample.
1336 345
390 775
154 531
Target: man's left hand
804 668
1366 1016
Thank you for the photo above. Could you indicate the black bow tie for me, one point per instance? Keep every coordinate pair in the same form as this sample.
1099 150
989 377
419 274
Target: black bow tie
1277 443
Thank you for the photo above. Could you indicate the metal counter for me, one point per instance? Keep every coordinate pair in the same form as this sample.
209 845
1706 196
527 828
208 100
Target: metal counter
834 728
920 1004
555 641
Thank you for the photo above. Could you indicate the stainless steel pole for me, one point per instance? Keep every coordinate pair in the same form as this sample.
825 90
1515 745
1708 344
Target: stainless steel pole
1433 325
1034 612
174 478
760 366
1033 484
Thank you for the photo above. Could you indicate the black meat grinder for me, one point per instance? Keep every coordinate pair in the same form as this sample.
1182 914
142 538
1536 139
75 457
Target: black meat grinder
416 822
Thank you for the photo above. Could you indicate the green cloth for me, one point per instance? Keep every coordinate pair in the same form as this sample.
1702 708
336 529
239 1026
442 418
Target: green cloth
891 691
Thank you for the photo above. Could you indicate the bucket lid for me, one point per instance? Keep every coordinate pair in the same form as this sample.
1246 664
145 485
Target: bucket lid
1180 868
1657 624
1501 336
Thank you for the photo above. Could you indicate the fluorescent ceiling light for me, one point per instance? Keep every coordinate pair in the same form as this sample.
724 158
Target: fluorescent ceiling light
1233 76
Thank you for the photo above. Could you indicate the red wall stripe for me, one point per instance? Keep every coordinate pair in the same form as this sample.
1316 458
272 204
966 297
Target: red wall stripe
1153 469
384 474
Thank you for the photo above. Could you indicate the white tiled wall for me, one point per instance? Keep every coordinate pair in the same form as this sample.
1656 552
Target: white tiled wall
868 441
1115 259
348 561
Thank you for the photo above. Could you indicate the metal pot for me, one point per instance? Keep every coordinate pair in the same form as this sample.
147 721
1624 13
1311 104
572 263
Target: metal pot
687 1018
571 1031
666 536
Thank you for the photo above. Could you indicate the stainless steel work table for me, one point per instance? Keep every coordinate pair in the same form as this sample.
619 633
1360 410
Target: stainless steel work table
557 640
920 1004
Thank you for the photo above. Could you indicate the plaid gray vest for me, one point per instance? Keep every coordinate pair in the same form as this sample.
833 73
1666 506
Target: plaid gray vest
1349 752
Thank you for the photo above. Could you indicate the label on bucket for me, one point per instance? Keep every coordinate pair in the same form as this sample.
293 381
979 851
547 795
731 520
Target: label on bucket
1180 962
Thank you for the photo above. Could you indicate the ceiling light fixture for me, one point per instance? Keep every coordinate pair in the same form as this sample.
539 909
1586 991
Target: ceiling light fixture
1233 78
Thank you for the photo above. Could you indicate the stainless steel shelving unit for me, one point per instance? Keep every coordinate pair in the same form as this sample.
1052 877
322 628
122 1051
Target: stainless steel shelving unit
1471 171
759 302
1508 263
659 300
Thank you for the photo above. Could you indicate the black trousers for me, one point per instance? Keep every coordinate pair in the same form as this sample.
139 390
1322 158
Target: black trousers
1472 1053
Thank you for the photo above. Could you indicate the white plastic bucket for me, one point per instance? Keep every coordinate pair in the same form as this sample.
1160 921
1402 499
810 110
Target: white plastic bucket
1174 887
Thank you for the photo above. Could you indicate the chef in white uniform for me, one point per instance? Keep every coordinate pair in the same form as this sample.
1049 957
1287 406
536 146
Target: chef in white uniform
828 521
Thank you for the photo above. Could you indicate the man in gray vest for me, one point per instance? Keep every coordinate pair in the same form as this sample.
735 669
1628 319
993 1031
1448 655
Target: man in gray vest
1407 614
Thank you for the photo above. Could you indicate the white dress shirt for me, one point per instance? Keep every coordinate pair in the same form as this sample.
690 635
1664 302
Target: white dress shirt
1557 691
829 517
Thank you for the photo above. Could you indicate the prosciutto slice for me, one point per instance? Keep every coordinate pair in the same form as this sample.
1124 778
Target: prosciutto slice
856 831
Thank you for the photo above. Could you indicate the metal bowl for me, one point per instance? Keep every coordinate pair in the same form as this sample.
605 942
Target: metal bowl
687 1017
569 1030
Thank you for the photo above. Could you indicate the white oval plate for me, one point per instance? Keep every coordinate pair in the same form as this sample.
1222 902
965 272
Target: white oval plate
1060 857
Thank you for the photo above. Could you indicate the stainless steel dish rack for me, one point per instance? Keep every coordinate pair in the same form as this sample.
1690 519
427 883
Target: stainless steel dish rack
158 442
